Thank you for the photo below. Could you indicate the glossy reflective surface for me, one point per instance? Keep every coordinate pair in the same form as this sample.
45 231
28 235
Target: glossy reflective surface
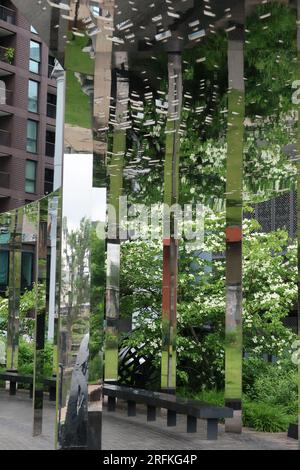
234 218
15 241
186 109
26 241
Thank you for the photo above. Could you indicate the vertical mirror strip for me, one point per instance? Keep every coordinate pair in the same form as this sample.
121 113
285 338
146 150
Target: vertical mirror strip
40 316
234 215
75 265
298 213
115 168
126 130
14 290
170 242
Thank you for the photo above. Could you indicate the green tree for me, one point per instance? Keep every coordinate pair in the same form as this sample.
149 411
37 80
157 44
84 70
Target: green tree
75 280
270 293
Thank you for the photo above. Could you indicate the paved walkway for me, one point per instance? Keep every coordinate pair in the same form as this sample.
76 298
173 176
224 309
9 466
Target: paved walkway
121 432
16 423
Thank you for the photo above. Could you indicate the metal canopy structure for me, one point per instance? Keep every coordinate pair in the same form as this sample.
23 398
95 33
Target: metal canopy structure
108 50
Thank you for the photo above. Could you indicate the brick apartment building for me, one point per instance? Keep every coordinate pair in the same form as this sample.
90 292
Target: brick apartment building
27 111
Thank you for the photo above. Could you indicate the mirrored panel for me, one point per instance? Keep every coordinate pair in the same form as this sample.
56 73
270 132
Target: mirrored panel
27 354
176 232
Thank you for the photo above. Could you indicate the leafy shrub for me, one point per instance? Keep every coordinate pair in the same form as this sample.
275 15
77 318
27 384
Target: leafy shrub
95 369
28 302
26 358
10 54
261 416
265 417
214 397
277 387
48 359
253 368
3 314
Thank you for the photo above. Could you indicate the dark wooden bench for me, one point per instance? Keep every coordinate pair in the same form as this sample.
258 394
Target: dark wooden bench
193 409
50 384
14 377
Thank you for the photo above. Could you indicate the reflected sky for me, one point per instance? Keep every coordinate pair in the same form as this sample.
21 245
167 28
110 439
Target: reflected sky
78 174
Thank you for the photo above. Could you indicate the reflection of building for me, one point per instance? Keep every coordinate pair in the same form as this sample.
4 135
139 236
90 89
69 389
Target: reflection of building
279 212
29 249
28 265
27 111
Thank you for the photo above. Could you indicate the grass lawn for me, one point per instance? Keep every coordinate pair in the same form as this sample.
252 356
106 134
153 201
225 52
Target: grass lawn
78 108
76 59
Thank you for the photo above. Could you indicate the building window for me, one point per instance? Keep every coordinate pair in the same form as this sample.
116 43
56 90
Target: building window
50 144
51 105
32 131
48 184
51 65
30 177
34 57
3 270
33 96
27 271
7 14
95 10
33 30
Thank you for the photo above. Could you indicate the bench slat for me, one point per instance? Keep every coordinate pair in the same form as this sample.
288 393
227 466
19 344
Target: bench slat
171 402
22 378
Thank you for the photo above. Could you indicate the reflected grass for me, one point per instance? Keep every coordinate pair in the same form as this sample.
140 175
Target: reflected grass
75 100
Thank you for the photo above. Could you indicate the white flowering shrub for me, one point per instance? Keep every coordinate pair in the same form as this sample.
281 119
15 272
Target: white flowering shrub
270 294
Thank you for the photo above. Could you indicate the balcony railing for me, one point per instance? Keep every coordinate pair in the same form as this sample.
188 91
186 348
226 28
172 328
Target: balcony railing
7 54
4 180
50 149
51 110
5 137
6 96
8 15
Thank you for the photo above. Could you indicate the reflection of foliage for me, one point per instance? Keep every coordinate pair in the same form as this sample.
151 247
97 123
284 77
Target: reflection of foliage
203 166
26 358
75 284
97 307
140 288
270 63
270 53
83 252
31 214
271 59
28 303
3 314
270 293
